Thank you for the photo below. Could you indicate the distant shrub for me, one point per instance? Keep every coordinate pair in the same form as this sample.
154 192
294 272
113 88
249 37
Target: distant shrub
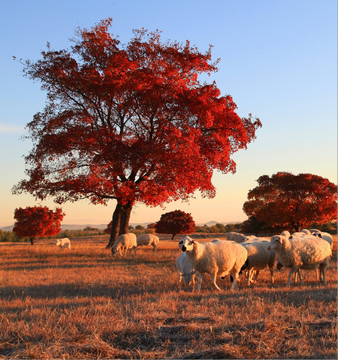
89 228
80 233
9 236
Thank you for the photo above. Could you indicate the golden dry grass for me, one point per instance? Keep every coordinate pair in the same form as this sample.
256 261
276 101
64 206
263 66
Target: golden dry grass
83 304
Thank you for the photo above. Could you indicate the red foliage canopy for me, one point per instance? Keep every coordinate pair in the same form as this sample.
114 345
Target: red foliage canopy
175 222
37 221
287 201
129 122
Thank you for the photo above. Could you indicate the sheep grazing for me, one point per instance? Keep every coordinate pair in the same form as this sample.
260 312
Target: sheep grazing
185 269
302 253
63 243
124 242
217 258
259 257
234 236
148 239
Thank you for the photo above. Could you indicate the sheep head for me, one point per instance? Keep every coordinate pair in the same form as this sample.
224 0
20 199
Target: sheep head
187 244
277 242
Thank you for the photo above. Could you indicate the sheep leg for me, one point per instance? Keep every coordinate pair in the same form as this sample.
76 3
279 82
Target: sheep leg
290 275
249 275
256 274
234 284
199 281
179 277
300 277
213 281
324 276
322 273
271 273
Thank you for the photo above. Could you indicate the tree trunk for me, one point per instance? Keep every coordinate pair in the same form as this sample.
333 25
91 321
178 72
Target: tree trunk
115 229
32 241
125 218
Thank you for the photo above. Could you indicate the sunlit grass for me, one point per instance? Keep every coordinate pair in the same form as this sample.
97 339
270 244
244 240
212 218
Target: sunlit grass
84 304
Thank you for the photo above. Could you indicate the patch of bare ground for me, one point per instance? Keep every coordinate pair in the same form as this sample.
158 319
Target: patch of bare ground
83 304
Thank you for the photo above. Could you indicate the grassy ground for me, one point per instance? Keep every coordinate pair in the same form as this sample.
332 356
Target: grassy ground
83 304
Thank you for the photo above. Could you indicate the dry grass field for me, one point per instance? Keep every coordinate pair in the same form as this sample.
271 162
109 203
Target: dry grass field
83 304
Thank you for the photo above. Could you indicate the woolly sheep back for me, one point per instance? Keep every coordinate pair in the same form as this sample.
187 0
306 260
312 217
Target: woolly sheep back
234 236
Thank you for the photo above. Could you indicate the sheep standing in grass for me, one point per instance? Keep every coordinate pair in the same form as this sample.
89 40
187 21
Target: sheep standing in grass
304 234
259 257
302 253
234 236
63 243
123 243
148 239
217 258
185 269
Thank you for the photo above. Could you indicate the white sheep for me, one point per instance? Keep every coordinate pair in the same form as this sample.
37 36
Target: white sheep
185 269
217 258
302 253
124 242
63 243
148 239
235 236
325 236
259 257
303 234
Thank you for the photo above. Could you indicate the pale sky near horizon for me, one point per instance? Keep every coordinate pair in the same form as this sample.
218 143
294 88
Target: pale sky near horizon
278 62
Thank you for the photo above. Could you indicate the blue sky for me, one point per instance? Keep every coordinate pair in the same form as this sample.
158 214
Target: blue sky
278 61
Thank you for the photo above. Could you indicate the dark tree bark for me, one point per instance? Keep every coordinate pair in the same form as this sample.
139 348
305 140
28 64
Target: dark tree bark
125 218
115 226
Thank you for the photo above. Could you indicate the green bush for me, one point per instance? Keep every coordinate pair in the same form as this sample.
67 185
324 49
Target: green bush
9 236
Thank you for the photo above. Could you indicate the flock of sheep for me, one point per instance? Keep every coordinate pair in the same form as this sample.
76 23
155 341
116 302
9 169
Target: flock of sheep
308 249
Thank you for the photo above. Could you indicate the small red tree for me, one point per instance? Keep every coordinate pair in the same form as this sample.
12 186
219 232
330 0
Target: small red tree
130 123
175 222
37 221
293 202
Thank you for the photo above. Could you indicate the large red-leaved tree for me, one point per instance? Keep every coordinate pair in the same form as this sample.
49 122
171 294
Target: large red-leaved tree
37 221
130 123
292 202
